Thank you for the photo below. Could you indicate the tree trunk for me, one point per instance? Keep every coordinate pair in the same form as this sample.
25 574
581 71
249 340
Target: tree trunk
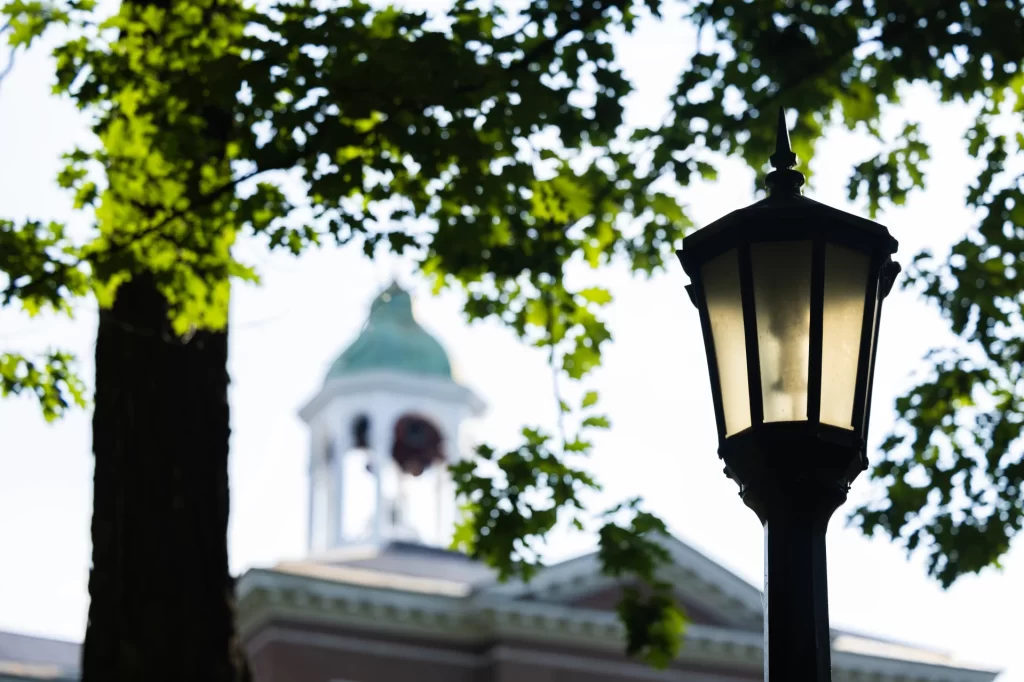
162 596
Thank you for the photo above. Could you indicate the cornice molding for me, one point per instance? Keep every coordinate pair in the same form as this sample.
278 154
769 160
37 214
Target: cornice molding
266 597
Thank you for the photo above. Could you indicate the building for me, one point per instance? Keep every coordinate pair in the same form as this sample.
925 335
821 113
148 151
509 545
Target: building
379 599
24 658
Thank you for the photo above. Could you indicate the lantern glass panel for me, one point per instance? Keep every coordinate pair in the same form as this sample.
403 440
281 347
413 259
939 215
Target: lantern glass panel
871 358
846 284
720 279
782 301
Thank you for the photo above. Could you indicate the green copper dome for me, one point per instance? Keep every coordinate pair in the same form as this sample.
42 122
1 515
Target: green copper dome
392 340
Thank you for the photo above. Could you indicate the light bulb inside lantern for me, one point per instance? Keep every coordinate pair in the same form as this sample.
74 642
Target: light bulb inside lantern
782 300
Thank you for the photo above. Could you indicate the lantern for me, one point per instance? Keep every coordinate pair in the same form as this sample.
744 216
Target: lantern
789 292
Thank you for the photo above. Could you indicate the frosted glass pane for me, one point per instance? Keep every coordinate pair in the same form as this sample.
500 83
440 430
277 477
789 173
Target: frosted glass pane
846 283
721 281
782 301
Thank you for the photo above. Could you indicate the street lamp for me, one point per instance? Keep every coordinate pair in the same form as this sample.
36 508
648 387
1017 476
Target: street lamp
789 293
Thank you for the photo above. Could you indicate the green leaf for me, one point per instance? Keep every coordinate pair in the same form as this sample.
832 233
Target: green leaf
578 445
596 296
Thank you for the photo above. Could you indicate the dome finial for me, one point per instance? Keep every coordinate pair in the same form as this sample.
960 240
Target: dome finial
394 285
783 180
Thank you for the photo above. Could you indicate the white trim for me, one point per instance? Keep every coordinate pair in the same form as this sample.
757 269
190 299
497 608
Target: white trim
888 668
378 579
693 589
375 381
284 588
719 591
265 597
857 644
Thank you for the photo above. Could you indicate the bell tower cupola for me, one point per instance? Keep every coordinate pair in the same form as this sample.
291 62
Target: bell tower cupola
383 429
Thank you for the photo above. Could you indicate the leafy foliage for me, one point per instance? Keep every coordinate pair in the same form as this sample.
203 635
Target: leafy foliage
49 378
508 514
954 468
41 276
632 552
499 520
503 130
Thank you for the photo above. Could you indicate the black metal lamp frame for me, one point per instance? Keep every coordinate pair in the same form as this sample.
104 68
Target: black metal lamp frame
794 475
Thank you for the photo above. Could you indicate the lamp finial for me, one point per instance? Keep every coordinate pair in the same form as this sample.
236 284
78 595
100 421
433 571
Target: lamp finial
783 180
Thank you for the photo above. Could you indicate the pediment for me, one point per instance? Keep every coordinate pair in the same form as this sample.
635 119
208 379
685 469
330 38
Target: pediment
710 593
608 598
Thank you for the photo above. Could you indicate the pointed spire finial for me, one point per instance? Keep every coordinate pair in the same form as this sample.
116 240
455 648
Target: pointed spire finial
783 180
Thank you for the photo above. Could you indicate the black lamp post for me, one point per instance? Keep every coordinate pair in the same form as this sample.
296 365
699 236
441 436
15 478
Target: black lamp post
789 293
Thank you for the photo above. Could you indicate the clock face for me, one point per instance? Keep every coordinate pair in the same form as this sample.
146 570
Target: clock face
417 445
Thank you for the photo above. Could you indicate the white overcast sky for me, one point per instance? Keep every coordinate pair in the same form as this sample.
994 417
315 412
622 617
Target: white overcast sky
654 385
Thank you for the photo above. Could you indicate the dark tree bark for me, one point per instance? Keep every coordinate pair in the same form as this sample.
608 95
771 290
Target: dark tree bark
162 596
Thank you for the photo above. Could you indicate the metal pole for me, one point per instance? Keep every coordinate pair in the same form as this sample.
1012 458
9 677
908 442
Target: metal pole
797 640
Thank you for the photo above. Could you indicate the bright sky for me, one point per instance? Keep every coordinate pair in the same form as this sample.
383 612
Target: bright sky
654 385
